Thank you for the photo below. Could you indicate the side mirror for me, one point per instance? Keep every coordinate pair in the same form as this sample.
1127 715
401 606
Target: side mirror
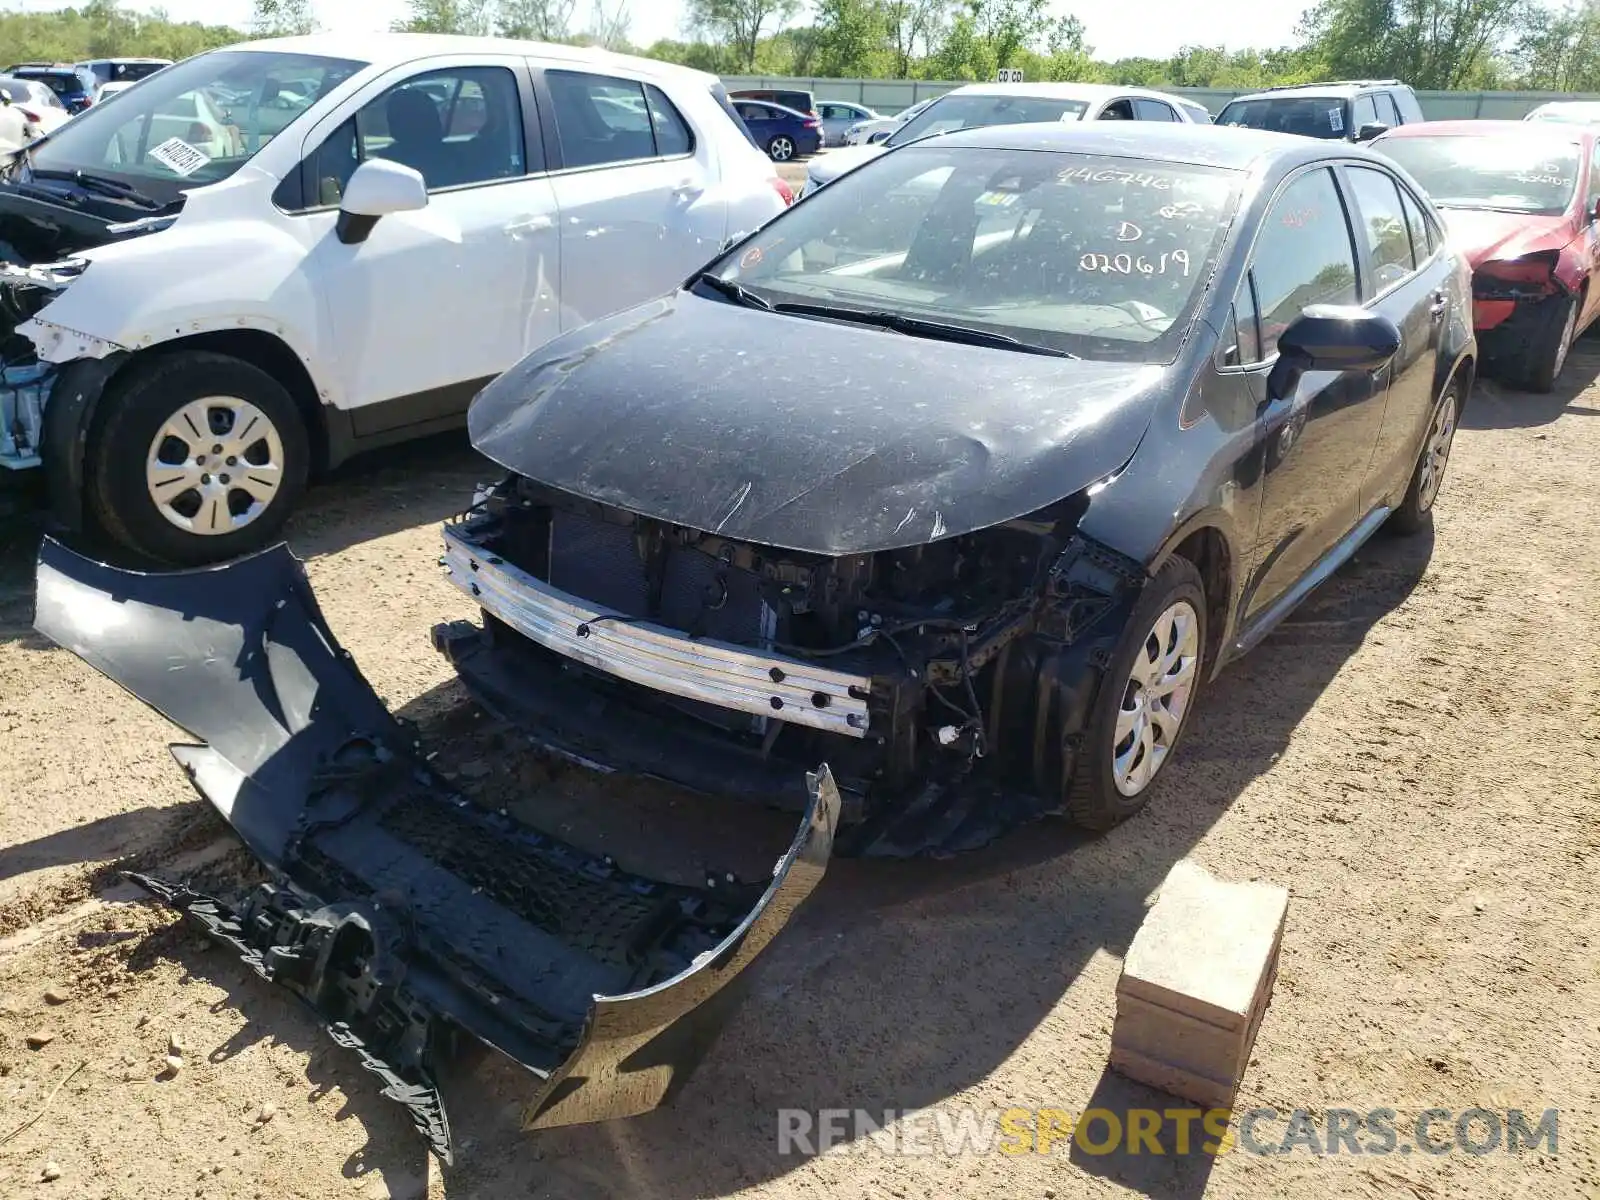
881 135
1331 337
1371 130
378 189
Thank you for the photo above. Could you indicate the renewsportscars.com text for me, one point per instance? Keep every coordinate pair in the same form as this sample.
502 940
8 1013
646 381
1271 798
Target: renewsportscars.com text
1180 1131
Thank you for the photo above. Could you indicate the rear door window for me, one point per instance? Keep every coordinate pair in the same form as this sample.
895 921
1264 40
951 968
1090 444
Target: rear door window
1421 239
602 119
1303 256
1383 226
1153 110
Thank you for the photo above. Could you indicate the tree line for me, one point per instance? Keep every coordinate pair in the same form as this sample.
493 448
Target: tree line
1431 44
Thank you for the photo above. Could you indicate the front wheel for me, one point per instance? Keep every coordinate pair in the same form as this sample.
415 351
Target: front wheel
196 458
1145 699
781 149
1539 361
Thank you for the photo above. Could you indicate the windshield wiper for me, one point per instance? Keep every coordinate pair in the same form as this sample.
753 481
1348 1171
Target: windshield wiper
736 292
105 185
921 327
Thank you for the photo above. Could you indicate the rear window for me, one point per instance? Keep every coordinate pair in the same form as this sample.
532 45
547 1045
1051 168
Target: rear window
1308 116
62 83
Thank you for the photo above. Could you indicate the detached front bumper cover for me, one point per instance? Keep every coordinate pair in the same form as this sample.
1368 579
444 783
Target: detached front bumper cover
399 911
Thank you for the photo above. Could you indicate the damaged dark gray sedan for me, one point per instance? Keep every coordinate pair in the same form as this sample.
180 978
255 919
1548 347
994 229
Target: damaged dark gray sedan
928 509
967 473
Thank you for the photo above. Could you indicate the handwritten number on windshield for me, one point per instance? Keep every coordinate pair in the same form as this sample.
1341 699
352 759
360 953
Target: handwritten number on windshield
1136 264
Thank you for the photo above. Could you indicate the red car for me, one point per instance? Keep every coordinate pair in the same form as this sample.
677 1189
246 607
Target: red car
1521 201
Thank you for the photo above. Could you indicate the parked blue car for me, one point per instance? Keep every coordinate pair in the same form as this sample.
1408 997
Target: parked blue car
74 86
782 132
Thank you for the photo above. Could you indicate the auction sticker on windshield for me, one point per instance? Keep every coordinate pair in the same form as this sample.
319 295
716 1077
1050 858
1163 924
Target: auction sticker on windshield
179 157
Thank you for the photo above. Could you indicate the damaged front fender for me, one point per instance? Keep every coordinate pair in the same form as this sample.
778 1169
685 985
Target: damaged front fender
398 910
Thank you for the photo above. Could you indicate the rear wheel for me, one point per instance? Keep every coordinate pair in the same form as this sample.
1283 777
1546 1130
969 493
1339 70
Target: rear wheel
196 458
1145 699
1416 510
781 149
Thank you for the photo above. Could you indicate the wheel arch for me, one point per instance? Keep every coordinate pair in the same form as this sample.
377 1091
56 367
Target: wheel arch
1463 369
1203 542
76 405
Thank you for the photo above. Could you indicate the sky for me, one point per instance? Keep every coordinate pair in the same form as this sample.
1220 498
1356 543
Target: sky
1161 27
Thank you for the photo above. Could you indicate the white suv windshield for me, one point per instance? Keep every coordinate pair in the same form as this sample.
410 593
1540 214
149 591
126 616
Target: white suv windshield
949 113
1096 256
192 124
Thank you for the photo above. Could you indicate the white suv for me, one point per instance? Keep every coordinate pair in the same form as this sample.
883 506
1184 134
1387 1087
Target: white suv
267 258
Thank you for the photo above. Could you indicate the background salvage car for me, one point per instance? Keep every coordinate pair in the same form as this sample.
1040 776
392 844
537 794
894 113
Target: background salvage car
1009 104
228 260
1522 202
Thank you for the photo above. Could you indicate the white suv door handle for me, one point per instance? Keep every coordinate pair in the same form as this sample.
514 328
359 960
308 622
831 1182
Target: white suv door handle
526 225
688 190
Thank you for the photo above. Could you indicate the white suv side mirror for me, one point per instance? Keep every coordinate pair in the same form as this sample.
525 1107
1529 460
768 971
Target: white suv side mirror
378 188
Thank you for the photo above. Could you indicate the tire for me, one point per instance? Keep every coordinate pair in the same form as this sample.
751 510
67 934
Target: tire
160 414
780 149
1538 362
1100 797
1415 512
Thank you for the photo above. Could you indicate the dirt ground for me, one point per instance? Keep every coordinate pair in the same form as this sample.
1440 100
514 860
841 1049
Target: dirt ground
1414 755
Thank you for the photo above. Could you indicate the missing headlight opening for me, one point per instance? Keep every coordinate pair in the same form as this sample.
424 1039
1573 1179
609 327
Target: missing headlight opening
933 678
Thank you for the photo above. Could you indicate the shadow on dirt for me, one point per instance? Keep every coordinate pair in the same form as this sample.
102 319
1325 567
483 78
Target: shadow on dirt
1496 406
899 986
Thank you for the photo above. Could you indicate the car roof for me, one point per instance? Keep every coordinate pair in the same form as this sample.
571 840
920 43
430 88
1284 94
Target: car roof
36 72
1551 130
1343 88
396 49
1089 92
1166 141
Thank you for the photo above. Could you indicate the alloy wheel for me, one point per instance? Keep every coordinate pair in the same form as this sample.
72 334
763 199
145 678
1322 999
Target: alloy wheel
782 149
215 466
1436 453
1155 698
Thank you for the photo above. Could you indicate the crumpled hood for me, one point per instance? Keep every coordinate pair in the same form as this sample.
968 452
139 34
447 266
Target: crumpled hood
804 434
1489 236
825 168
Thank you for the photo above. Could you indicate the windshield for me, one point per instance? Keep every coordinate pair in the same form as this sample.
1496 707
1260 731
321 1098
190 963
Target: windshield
1097 256
1530 173
1308 116
949 113
192 124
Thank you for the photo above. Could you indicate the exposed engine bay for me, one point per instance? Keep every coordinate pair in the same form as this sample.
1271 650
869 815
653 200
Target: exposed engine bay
941 682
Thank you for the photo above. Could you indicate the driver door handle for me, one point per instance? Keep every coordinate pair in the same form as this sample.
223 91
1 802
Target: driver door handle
1441 301
688 190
